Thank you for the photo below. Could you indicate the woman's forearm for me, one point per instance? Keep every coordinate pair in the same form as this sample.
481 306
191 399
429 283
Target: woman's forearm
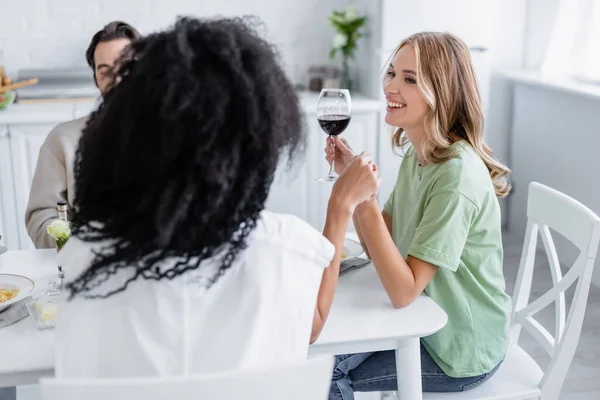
396 275
356 222
336 225
357 184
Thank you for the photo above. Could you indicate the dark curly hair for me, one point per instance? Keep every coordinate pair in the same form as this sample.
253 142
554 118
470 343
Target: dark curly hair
177 162
111 31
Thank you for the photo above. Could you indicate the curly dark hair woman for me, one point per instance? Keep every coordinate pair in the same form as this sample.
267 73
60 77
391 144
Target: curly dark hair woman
174 265
179 160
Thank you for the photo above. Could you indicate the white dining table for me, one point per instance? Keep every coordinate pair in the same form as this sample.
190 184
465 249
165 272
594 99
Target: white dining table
362 319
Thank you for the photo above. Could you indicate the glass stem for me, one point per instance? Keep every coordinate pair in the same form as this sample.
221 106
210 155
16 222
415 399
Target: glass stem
331 175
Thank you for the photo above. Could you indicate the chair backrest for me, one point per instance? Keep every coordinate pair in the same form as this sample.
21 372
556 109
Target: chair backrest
548 208
309 379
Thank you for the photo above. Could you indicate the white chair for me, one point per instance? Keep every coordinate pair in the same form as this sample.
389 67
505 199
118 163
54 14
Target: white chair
520 377
308 379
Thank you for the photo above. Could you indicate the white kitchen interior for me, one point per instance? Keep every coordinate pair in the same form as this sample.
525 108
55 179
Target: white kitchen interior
24 126
543 125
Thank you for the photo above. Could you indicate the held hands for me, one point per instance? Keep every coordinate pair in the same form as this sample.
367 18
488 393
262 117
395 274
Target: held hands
358 182
339 151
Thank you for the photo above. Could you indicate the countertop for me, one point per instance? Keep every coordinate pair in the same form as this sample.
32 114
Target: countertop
54 113
571 86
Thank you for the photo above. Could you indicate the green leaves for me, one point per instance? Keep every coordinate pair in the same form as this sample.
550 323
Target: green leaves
347 24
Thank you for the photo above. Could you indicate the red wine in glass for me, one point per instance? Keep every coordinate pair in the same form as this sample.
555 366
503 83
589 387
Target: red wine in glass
334 112
334 124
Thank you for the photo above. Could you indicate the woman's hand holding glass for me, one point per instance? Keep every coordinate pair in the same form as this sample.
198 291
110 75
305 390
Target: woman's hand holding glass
357 183
337 149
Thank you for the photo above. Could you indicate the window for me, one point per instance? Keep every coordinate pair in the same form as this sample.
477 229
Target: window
574 47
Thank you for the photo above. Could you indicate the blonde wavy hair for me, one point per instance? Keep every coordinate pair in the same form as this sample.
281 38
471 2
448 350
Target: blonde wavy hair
446 79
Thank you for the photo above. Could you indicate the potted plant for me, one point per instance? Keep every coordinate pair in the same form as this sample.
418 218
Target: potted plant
347 24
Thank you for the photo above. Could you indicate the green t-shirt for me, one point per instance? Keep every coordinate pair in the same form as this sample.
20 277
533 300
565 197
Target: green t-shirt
447 214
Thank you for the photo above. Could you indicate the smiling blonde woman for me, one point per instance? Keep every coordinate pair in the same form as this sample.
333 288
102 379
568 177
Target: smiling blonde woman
439 232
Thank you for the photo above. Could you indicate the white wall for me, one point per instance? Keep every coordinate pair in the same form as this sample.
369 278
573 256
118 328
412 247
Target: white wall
507 53
555 142
55 33
540 121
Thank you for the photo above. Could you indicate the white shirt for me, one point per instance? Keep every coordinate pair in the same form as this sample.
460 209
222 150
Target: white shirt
258 313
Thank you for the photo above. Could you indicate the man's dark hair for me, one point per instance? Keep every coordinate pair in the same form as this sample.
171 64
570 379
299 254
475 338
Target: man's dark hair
112 31
178 160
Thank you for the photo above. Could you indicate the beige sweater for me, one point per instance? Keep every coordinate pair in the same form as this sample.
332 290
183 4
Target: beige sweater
53 180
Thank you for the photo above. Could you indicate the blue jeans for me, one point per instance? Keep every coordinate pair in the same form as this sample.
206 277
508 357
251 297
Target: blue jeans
376 372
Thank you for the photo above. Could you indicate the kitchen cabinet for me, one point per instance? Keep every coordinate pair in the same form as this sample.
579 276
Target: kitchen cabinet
8 215
25 144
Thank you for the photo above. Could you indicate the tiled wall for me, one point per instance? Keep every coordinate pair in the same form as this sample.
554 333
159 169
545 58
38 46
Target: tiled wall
55 33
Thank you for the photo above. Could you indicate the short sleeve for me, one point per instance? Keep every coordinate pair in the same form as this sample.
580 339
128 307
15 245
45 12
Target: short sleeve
292 233
442 233
388 207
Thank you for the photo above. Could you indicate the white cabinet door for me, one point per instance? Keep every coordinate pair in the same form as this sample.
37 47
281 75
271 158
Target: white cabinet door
9 226
25 143
289 193
294 186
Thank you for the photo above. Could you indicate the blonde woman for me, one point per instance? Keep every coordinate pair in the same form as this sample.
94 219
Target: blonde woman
439 232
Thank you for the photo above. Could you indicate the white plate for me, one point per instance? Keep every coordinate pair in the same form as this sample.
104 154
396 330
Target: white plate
351 249
10 281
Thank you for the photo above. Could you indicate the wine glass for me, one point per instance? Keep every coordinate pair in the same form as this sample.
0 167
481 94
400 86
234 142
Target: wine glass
334 111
